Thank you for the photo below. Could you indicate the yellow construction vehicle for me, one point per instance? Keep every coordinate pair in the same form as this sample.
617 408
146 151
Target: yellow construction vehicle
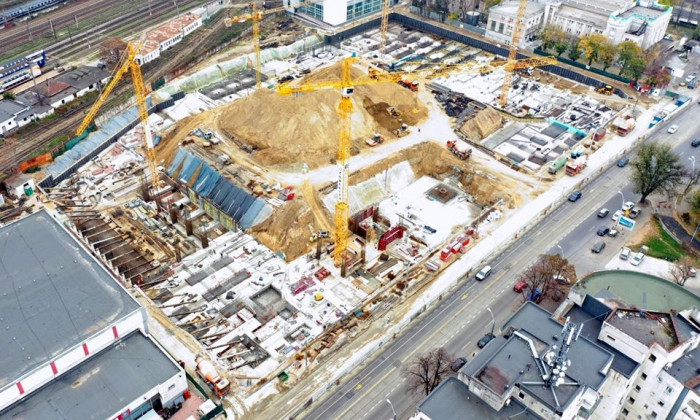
606 90
129 63
256 15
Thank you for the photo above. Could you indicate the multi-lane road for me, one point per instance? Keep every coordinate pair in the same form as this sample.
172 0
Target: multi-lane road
461 319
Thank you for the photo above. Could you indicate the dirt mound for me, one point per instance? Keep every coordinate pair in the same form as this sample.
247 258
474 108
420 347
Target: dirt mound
288 129
486 122
287 230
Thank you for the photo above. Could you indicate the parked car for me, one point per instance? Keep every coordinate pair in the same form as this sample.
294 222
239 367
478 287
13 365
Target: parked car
603 212
575 196
637 259
695 143
597 247
613 233
672 129
603 231
691 77
519 286
457 364
623 162
485 340
629 205
625 253
483 273
635 212
617 215
534 294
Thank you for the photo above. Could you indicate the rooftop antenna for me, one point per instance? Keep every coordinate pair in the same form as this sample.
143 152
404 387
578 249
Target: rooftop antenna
557 361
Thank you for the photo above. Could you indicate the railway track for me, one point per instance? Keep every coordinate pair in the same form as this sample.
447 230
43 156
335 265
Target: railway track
65 16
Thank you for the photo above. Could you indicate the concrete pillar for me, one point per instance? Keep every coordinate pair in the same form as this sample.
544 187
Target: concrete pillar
188 227
205 240
173 214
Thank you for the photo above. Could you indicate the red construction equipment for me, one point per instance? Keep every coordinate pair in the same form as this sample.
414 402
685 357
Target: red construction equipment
462 152
390 236
207 372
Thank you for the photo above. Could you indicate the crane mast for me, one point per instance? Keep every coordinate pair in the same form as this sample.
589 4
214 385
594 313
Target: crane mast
513 52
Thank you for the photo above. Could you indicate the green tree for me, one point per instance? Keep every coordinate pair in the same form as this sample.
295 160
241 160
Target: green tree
561 46
696 32
694 201
550 35
634 68
668 3
591 46
606 54
626 51
490 3
8 95
656 167
575 49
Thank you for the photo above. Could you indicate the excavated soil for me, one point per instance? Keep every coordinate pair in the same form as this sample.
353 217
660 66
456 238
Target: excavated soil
295 129
288 229
485 123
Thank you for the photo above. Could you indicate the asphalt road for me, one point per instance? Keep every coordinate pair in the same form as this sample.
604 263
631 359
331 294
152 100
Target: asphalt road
462 318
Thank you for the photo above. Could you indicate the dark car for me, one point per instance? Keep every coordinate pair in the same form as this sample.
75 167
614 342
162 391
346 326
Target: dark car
485 340
597 247
603 231
603 212
695 143
623 162
575 196
457 364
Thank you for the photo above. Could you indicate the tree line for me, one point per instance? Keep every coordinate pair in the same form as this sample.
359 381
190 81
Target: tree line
598 48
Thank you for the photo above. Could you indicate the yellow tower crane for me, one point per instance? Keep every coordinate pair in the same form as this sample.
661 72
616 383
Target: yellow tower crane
513 52
347 86
129 63
385 25
256 15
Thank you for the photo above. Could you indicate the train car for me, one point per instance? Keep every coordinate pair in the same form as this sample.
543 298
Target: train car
27 9
18 71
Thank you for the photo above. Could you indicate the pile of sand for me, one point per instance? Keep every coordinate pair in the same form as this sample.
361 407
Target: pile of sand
289 129
287 230
486 122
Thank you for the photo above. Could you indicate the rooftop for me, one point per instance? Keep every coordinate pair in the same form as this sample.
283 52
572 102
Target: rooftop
452 400
510 8
635 289
642 13
509 361
686 370
50 88
101 386
646 327
84 76
165 32
54 294
592 322
597 6
9 108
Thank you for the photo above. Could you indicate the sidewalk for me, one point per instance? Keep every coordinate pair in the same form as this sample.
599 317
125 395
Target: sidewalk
337 365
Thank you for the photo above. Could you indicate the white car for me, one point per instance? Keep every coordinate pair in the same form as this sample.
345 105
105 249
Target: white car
672 129
691 77
637 259
625 253
617 215
629 205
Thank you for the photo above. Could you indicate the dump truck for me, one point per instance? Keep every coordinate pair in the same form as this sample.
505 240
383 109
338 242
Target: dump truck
576 166
462 152
559 163
206 370
409 84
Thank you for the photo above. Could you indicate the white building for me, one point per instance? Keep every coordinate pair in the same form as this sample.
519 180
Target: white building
501 19
643 22
167 35
337 12
75 344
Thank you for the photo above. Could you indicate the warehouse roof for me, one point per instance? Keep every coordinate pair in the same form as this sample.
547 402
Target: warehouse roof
102 385
53 295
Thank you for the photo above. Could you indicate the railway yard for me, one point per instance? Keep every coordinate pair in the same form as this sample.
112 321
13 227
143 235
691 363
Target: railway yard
232 247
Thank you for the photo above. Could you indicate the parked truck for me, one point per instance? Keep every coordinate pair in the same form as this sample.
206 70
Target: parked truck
461 151
576 166
206 370
559 163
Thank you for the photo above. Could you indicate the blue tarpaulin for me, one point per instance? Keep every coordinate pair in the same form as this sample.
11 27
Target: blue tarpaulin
245 209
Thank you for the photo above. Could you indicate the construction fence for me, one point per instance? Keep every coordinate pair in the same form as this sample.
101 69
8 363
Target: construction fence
69 163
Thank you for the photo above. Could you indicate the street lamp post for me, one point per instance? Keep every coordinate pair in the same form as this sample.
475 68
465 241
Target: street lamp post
561 249
694 233
493 324
392 408
692 159
623 198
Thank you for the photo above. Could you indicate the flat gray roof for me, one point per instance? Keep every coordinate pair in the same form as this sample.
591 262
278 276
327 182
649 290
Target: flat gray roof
687 368
102 385
452 400
53 295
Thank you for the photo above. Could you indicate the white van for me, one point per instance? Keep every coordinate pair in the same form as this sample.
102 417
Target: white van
485 272
625 253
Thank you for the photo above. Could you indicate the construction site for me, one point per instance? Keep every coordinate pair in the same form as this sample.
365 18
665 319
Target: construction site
272 215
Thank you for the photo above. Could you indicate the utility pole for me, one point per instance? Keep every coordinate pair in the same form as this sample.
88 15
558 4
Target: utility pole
52 29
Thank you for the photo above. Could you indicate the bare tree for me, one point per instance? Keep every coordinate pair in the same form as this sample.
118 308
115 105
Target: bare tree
545 275
426 372
682 271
